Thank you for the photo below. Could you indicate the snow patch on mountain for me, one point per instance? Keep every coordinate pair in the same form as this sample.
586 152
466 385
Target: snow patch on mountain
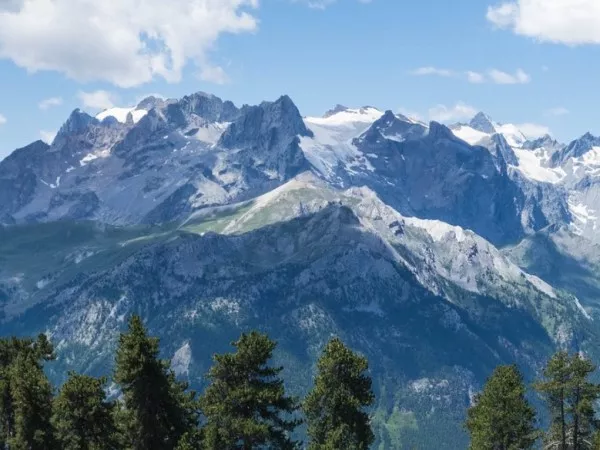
469 135
347 117
210 133
121 114
533 164
331 144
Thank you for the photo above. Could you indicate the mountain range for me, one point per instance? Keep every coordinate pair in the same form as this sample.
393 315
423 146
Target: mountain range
439 252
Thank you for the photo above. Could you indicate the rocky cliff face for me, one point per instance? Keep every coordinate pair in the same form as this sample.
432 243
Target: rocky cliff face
438 252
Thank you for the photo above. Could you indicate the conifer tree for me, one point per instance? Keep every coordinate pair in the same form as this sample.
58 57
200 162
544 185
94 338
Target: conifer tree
82 418
502 418
245 404
336 407
31 396
582 396
570 397
25 393
158 409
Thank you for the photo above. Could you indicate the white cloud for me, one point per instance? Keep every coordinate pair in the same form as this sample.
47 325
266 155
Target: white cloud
558 111
214 74
533 130
2 119
322 4
429 70
561 21
475 77
493 76
500 77
50 102
47 136
443 113
127 43
97 99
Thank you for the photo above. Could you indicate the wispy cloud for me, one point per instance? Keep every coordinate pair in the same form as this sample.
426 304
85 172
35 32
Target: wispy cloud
322 4
430 70
459 111
2 119
47 136
50 102
560 21
533 130
475 77
491 76
214 74
500 77
97 99
558 111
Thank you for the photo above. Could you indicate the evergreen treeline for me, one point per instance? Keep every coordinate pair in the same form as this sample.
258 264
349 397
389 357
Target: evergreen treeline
502 418
244 406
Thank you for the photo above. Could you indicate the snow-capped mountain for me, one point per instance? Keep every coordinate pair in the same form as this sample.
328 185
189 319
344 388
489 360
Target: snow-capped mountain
571 169
422 245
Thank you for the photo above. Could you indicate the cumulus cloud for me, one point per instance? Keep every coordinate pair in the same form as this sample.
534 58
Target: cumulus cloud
97 99
561 21
50 102
443 113
126 43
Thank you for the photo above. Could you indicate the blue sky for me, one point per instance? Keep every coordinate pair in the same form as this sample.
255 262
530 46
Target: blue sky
529 62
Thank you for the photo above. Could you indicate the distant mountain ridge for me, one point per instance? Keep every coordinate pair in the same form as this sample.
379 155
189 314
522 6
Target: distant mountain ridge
424 246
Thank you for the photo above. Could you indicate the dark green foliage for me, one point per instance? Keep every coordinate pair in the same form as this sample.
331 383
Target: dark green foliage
502 419
570 398
245 404
192 440
159 411
82 418
335 408
25 394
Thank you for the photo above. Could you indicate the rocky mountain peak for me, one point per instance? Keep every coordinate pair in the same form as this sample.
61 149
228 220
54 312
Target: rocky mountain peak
439 131
482 122
77 122
575 149
150 102
335 110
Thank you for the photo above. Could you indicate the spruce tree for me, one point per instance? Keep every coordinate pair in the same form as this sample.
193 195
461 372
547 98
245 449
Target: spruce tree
554 390
158 410
580 402
31 396
502 418
82 418
336 407
570 397
25 392
245 403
